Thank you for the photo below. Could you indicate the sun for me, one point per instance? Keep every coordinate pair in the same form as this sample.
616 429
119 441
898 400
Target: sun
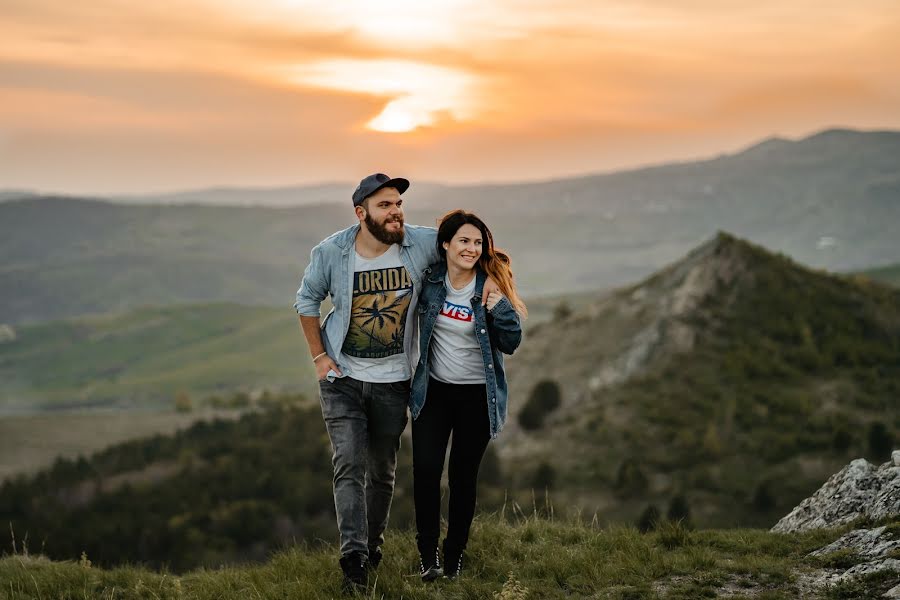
395 119
417 94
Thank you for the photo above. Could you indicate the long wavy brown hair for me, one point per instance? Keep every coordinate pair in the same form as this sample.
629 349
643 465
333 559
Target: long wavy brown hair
494 261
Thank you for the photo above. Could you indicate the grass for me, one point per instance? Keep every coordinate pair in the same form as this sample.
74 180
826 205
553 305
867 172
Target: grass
534 558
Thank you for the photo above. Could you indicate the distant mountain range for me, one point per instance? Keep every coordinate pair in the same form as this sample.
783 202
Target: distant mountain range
829 200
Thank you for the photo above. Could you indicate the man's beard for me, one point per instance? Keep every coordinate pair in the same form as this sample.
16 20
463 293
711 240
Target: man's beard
380 232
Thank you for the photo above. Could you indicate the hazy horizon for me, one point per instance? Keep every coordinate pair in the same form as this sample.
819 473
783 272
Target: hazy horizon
111 98
225 186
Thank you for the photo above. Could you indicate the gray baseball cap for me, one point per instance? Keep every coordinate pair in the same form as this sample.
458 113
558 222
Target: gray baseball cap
371 184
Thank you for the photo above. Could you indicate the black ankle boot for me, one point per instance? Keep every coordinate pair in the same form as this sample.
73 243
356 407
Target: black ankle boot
429 562
375 556
453 560
354 567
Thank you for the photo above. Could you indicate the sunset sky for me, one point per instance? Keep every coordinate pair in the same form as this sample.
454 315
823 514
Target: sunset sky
116 96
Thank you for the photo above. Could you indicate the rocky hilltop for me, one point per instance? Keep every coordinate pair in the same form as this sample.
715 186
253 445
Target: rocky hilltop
735 380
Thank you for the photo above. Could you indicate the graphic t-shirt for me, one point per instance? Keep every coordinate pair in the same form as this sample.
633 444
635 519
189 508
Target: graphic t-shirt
455 353
373 348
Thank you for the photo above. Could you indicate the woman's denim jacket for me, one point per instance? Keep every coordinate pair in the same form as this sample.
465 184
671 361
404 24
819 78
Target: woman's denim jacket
498 331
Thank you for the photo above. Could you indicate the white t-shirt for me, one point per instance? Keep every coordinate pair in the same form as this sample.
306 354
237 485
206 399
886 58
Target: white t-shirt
455 353
373 348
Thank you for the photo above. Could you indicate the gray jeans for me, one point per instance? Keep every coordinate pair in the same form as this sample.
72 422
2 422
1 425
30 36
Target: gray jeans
364 422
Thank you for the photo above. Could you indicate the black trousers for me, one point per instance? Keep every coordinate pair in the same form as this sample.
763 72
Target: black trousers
461 410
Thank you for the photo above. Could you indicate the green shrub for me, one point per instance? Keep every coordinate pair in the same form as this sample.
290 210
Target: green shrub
183 402
763 499
544 477
649 519
545 397
881 442
841 440
630 478
561 311
679 510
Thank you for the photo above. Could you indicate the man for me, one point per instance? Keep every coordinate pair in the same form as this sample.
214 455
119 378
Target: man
364 361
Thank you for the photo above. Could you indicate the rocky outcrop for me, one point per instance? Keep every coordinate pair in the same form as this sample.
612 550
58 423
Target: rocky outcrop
872 551
858 490
867 544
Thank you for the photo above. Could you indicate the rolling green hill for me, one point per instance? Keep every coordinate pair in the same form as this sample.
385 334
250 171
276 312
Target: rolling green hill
889 274
827 200
144 357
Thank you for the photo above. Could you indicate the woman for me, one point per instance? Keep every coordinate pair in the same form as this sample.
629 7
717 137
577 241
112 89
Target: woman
459 386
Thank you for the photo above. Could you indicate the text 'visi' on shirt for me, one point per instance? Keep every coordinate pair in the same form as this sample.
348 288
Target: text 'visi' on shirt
455 353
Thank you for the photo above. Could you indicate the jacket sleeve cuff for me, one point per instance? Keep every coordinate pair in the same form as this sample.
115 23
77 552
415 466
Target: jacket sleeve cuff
307 308
500 303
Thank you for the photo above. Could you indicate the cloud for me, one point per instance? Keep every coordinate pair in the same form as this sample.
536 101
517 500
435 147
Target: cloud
165 94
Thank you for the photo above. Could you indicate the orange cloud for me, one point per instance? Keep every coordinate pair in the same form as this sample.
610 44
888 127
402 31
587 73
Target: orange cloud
499 90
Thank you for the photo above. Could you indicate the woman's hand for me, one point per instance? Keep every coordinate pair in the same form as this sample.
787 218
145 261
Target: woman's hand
493 298
490 287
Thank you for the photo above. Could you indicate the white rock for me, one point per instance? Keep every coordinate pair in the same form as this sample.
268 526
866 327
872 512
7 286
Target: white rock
857 490
869 544
890 564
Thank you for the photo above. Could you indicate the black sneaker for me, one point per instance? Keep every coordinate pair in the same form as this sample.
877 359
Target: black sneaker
375 556
430 565
453 560
354 567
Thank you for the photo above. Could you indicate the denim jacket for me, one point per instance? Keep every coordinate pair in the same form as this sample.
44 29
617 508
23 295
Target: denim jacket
330 272
498 331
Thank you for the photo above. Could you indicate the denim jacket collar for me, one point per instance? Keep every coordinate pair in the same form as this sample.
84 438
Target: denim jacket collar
437 272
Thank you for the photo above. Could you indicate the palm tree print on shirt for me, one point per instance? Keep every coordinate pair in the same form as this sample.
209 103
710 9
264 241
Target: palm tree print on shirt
378 318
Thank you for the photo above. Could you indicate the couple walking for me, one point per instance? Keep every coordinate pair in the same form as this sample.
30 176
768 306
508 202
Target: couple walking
421 319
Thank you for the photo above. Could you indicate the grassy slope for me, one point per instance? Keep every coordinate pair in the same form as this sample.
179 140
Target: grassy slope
889 274
152 353
532 558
